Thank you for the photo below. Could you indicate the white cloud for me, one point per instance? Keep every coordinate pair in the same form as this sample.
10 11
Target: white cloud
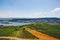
56 9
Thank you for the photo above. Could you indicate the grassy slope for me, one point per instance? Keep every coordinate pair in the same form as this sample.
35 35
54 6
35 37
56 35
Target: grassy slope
15 31
24 34
8 31
53 30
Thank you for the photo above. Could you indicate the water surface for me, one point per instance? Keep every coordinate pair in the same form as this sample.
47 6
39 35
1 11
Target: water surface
13 24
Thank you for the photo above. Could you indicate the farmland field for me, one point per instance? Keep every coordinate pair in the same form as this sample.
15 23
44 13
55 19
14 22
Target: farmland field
50 29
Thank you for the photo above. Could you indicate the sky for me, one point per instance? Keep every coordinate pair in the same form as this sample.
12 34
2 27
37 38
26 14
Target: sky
29 8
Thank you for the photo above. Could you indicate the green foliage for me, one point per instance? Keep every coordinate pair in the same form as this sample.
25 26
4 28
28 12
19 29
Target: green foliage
4 39
6 31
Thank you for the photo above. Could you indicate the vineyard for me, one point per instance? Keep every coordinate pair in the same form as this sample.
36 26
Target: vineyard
21 31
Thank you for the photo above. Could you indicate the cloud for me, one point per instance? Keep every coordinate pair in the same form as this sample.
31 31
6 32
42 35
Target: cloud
56 9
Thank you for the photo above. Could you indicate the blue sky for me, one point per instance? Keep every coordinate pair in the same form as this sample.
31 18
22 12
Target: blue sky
29 8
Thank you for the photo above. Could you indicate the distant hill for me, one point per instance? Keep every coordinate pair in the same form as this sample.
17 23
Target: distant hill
31 20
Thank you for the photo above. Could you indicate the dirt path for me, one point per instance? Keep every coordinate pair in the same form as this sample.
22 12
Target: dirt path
9 37
15 38
40 35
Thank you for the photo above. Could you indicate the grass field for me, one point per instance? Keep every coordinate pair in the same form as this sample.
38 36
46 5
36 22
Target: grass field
50 29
